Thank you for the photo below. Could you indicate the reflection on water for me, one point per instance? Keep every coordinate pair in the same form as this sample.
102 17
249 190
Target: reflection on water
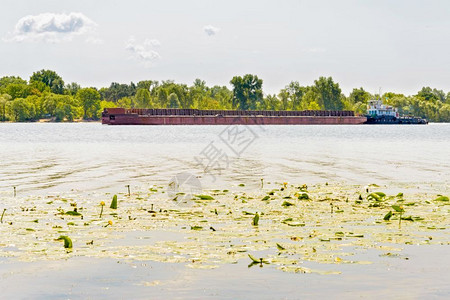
81 277
60 157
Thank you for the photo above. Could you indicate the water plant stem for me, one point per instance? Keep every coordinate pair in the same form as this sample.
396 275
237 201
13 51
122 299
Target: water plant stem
3 213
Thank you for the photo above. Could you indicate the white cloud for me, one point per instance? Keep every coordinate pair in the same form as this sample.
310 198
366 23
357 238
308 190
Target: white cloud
143 52
210 30
51 27
152 43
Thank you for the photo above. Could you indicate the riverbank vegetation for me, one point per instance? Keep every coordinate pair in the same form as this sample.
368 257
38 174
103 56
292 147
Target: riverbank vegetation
46 96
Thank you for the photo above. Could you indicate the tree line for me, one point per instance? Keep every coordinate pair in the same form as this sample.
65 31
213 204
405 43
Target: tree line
46 96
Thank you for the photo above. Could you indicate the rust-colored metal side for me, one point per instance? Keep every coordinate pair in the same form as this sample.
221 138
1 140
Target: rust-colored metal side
120 116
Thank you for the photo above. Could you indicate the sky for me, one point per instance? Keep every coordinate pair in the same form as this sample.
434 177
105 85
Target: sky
398 46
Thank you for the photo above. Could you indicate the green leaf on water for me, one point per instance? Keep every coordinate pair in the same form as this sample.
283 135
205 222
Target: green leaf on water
196 227
303 196
114 202
286 204
204 197
377 196
398 208
67 241
241 184
388 216
265 198
73 213
254 259
442 198
279 247
247 213
399 195
256 219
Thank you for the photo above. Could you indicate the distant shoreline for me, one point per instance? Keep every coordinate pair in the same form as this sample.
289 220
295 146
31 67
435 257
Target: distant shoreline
51 121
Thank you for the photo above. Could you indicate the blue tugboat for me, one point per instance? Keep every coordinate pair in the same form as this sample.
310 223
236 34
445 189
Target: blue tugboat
378 113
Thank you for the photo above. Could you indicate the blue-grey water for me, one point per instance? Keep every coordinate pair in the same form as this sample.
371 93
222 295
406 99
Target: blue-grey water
47 158
38 157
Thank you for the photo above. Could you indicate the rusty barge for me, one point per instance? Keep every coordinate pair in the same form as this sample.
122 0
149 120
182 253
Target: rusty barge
176 116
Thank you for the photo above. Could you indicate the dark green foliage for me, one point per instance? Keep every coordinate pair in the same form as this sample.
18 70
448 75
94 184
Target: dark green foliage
50 79
46 96
67 241
247 92
256 220
114 202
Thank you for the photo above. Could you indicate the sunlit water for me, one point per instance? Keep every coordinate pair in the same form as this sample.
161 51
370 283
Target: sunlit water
89 157
59 157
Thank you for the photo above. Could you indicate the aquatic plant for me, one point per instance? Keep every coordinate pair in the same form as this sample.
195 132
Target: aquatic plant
67 241
377 196
442 198
400 210
114 202
204 197
388 216
73 213
3 213
287 203
303 196
279 247
128 187
256 220
102 204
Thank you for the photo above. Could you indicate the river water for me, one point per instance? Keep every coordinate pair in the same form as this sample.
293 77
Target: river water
89 156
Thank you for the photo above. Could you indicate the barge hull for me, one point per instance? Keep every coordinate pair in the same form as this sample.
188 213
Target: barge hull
120 116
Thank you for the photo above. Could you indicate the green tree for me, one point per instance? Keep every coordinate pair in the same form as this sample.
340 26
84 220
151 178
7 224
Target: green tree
18 90
90 102
117 91
173 101
72 88
149 85
143 99
60 107
125 102
430 94
50 79
247 92
223 95
359 95
329 93
4 100
284 99
22 109
162 97
7 80
296 93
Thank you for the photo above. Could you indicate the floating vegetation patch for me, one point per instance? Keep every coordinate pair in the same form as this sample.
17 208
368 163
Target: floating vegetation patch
283 231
